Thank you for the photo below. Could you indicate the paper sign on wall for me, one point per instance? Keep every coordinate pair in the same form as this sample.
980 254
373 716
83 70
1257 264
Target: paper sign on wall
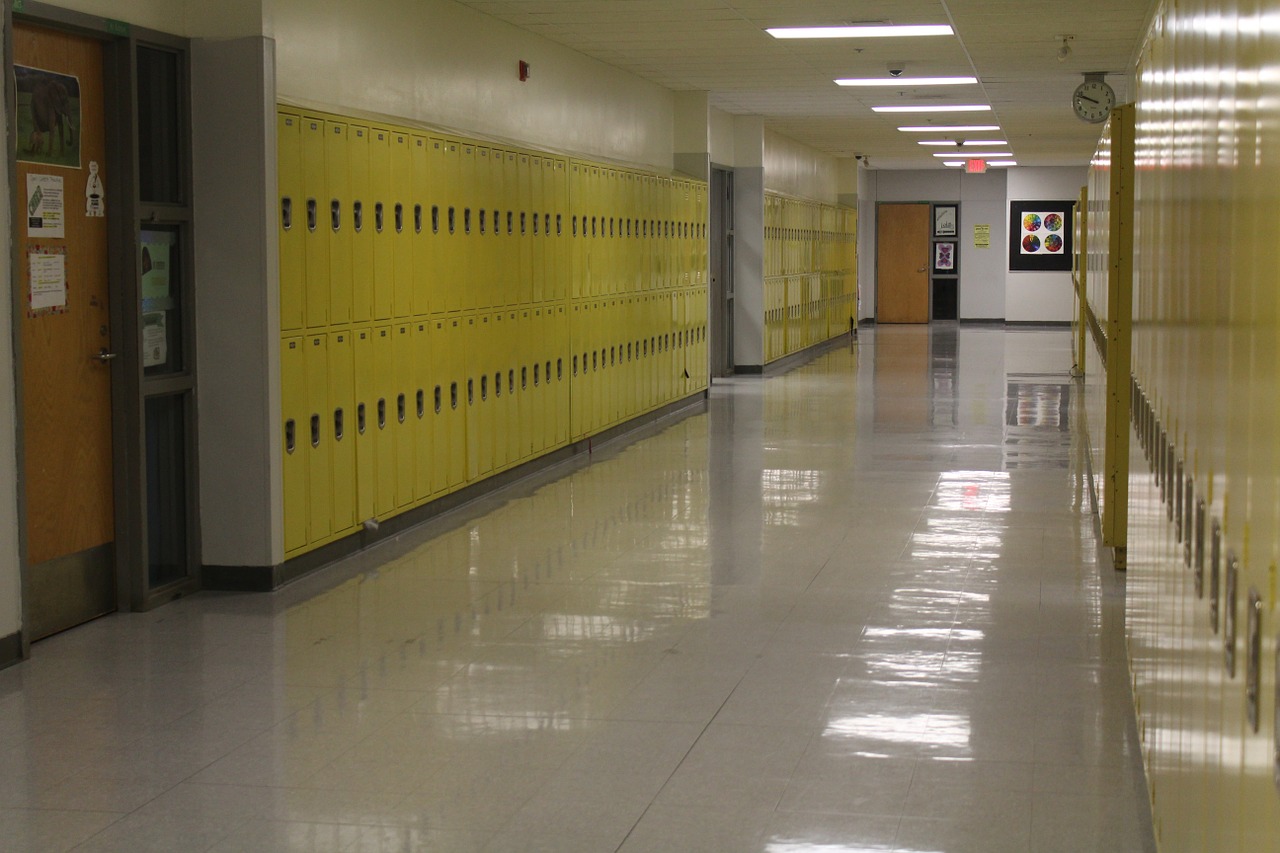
45 207
982 236
155 339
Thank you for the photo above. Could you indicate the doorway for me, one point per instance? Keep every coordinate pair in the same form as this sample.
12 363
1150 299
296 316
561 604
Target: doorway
721 263
106 380
902 263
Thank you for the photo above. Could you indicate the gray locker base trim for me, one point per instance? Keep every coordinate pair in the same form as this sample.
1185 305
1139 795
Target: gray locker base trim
797 358
10 650
268 578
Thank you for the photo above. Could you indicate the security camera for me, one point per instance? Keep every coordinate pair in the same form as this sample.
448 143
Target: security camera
859 157
895 69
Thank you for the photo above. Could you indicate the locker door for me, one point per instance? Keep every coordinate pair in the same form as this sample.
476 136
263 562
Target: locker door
361 219
539 399
424 195
481 202
383 419
469 267
427 411
319 452
555 337
401 218
482 368
341 429
504 426
509 246
443 174
467 334
404 414
561 263
292 216
527 437
366 425
537 248
337 214
577 378
523 204
576 257
382 221
316 220
450 428
293 411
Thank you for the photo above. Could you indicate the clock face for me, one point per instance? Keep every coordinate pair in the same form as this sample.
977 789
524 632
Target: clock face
1093 100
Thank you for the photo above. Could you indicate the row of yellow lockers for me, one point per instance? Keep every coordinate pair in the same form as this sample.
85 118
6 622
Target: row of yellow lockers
379 418
381 222
801 311
803 237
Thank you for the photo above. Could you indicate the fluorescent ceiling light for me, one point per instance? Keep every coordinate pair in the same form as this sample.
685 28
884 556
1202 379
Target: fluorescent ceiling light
1002 162
953 163
958 128
860 32
986 143
936 108
977 154
907 81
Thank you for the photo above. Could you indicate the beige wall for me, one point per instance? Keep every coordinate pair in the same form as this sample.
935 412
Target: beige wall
797 170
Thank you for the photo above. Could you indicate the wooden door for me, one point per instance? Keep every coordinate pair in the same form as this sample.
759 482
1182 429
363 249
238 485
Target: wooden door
902 263
64 329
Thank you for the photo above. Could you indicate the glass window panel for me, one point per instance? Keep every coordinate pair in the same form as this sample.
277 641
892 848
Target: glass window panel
161 290
166 490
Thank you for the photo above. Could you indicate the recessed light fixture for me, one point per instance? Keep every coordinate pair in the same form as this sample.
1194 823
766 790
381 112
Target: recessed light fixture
986 143
1002 162
907 81
861 32
957 128
977 154
953 163
935 108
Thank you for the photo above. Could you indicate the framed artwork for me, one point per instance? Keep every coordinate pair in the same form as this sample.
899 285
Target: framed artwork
944 258
1040 236
944 220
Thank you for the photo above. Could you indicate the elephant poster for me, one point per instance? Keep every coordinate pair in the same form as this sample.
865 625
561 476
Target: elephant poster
48 117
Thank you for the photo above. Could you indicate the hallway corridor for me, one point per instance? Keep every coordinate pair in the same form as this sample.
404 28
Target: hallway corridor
855 607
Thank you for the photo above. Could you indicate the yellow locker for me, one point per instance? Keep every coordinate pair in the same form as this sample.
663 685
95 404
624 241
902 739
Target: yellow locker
292 220
560 270
319 452
528 438
384 381
404 413
425 195
576 259
383 245
483 365
316 216
509 246
366 425
541 352
482 200
559 417
469 273
496 248
537 246
524 204
401 199
342 429
449 357
428 405
337 214
552 226
293 410
506 448
443 175
466 333
577 370
361 226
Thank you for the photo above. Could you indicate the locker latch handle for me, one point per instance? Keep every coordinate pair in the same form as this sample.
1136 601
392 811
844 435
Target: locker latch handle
1253 659
377 217
438 399
1229 615
311 214
400 408
315 430
453 395
286 213
382 413
290 436
360 419
471 392
357 215
335 214
417 219
399 217
338 426
422 403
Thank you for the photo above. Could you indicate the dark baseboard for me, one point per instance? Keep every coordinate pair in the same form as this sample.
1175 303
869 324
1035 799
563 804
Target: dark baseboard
748 369
981 321
10 649
1039 324
268 578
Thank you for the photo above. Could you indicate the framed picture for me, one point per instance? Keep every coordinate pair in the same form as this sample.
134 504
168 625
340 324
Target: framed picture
944 258
944 220
1041 236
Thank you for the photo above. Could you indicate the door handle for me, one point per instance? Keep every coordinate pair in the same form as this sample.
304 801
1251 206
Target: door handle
104 356
920 270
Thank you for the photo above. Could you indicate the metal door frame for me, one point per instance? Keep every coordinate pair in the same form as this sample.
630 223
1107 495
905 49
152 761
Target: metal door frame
720 257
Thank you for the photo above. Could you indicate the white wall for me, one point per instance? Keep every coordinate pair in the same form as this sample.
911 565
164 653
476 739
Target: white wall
436 62
795 169
988 290
192 18
10 573
720 132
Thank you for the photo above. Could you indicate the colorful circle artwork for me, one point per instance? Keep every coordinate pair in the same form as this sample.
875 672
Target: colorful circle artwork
1053 243
1053 222
1031 243
1031 222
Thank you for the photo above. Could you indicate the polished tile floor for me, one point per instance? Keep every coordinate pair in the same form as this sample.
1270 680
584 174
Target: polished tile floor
855 607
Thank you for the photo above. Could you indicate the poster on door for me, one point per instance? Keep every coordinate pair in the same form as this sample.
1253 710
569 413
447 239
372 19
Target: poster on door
48 117
47 277
45 208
